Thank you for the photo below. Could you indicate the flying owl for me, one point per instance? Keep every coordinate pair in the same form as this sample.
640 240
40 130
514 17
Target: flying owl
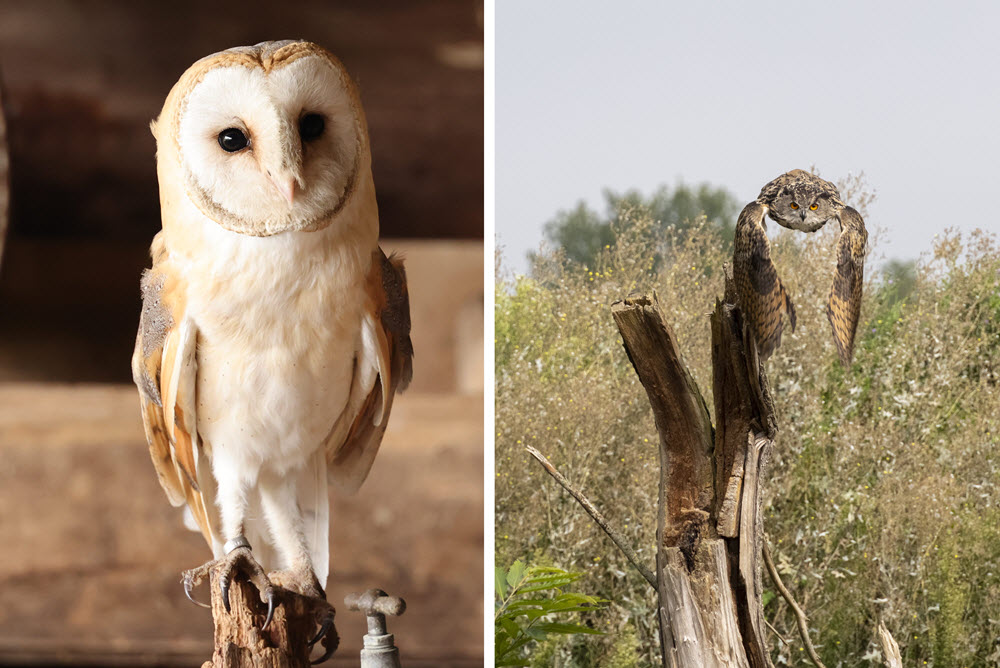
801 201
274 332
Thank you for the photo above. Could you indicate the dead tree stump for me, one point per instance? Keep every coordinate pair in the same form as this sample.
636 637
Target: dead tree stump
239 642
709 533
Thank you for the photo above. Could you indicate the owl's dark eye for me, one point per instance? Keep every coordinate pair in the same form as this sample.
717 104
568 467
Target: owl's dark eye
232 140
794 205
311 126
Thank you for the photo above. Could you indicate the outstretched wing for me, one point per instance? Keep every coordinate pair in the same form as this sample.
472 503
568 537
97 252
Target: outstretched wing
383 366
164 367
843 308
761 294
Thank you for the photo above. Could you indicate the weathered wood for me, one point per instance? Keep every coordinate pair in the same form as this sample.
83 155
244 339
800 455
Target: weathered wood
696 610
709 524
681 418
746 551
699 624
890 649
743 403
744 426
239 642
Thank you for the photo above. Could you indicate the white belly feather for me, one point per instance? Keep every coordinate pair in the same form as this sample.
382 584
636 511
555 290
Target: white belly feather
279 325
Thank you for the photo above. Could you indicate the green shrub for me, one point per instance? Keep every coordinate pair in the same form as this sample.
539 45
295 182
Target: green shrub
883 494
523 613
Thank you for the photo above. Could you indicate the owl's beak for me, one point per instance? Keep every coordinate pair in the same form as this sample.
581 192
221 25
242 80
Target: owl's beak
285 185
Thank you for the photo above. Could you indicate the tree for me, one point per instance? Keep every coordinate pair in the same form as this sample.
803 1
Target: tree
582 232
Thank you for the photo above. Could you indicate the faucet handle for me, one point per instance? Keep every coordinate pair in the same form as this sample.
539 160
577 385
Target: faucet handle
376 604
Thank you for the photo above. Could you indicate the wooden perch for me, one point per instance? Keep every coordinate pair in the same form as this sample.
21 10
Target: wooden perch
239 642
709 526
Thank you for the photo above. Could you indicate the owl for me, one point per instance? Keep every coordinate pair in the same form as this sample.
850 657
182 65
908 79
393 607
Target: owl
274 332
801 201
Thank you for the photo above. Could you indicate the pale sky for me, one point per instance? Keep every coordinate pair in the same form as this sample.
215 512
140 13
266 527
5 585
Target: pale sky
635 94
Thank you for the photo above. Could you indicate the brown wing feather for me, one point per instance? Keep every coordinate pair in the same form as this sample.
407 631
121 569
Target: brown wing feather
172 447
761 294
843 308
351 458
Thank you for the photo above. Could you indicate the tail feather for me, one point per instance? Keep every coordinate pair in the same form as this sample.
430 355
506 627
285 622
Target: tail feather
314 504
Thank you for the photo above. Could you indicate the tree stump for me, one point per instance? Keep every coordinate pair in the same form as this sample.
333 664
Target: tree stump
239 642
709 533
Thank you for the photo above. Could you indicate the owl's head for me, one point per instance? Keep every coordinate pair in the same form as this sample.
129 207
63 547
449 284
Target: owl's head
268 138
803 201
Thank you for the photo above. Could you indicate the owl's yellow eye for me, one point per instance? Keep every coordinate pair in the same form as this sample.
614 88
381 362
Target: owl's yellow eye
794 205
813 207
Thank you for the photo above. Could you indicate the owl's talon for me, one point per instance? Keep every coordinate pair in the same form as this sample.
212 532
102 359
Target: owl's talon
224 590
330 649
327 632
238 560
323 630
189 584
270 609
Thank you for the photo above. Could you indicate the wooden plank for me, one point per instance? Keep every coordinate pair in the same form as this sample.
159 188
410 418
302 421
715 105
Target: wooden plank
92 552
67 324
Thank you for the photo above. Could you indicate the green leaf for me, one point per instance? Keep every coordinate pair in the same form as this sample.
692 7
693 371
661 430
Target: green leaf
562 627
542 574
516 574
512 629
501 582
544 586
528 602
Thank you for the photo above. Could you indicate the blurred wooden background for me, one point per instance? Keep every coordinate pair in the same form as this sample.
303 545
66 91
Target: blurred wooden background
86 527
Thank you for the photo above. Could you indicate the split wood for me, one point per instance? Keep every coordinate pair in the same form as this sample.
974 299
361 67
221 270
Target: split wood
239 642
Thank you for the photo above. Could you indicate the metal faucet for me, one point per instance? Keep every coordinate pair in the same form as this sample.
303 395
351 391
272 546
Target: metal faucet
379 650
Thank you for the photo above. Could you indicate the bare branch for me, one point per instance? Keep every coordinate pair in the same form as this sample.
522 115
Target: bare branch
619 539
800 616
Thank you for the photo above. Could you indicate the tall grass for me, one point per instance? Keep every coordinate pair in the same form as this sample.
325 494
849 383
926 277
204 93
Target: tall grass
882 499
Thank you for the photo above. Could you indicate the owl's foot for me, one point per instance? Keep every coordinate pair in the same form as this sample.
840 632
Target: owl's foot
238 560
303 582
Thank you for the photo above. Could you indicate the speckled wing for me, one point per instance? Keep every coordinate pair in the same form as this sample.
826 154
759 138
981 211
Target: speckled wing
761 294
164 367
387 351
843 308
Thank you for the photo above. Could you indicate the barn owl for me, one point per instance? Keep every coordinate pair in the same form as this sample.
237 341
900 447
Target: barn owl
274 332
801 201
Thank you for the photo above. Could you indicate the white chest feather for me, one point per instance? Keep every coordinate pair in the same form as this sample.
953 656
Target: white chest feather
279 325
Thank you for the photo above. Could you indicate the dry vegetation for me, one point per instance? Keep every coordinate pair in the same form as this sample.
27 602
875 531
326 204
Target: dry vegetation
883 497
